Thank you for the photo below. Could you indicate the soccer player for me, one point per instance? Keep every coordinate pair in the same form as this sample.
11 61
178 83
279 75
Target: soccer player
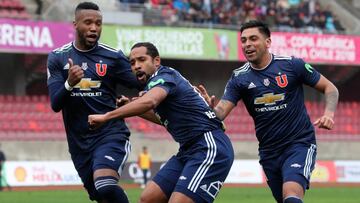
197 172
271 88
82 77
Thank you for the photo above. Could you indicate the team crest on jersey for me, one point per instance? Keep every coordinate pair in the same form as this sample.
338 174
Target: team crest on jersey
101 69
281 80
84 66
266 82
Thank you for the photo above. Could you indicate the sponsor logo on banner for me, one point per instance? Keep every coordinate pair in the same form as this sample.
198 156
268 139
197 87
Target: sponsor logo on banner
324 171
41 173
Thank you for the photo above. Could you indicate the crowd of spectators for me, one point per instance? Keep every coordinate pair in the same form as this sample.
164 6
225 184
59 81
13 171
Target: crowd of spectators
282 15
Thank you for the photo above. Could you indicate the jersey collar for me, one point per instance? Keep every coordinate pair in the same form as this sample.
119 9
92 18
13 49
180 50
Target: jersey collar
265 67
84 51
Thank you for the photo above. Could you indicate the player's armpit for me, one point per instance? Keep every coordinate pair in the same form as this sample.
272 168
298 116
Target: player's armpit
223 108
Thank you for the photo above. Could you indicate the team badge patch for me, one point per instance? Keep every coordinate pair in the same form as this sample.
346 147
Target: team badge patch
101 69
281 80
266 82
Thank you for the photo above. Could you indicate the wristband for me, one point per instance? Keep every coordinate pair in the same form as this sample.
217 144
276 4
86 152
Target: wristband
67 86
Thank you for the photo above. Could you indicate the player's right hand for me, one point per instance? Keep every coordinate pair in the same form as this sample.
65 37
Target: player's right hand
75 73
210 100
122 100
96 120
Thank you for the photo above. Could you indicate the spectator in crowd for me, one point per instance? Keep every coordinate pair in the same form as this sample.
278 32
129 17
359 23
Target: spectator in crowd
285 15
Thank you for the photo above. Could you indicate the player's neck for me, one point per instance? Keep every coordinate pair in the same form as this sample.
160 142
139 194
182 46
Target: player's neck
266 60
81 47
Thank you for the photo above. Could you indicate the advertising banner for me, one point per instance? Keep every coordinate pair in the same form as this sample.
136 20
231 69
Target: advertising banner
315 48
33 36
245 171
47 173
40 173
182 43
324 171
348 171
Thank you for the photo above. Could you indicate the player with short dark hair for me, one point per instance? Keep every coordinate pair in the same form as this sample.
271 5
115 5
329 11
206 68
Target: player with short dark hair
271 88
197 172
82 77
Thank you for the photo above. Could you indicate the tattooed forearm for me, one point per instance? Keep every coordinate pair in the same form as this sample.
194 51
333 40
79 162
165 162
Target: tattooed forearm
331 99
222 109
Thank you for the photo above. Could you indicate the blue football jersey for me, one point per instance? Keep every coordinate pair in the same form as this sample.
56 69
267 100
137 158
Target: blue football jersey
103 67
184 112
274 98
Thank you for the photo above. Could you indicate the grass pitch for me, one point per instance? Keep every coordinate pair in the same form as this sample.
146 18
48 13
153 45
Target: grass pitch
227 195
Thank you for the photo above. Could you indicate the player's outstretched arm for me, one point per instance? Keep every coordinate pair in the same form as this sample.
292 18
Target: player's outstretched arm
331 99
150 115
135 108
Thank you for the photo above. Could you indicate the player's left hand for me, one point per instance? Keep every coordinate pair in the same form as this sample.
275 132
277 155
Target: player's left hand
325 122
96 120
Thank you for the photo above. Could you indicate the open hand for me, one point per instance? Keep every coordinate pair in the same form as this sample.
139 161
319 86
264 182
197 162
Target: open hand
325 122
210 100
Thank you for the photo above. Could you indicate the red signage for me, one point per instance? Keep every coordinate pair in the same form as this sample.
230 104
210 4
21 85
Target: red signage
315 48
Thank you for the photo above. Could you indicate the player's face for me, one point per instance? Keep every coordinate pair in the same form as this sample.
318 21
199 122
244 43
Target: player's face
143 65
88 28
255 45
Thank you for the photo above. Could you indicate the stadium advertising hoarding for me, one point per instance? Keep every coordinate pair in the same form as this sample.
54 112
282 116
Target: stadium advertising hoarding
19 36
315 48
348 171
45 173
39 173
181 43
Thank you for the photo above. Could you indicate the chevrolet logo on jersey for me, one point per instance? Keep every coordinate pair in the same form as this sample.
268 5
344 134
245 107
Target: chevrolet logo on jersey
269 99
87 84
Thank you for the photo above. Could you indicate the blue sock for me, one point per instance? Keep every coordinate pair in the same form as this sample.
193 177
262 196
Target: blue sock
109 190
292 199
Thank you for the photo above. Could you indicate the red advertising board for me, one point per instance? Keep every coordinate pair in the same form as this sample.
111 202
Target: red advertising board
315 48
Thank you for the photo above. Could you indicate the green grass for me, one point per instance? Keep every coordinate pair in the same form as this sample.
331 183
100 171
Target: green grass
227 195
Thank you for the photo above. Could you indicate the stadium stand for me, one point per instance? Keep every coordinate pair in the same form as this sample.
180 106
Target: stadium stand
13 9
281 15
30 118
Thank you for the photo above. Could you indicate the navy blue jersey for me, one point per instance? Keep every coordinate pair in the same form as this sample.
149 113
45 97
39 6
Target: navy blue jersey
274 98
184 113
103 67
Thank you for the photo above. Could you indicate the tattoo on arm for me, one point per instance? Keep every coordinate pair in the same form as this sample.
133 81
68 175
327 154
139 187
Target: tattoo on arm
331 100
219 110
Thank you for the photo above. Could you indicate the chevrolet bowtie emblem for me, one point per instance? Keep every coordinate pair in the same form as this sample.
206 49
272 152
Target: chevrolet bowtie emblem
269 99
87 84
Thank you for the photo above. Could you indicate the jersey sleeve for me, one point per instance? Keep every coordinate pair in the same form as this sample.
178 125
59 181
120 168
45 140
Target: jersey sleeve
232 92
124 74
55 81
307 74
163 80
